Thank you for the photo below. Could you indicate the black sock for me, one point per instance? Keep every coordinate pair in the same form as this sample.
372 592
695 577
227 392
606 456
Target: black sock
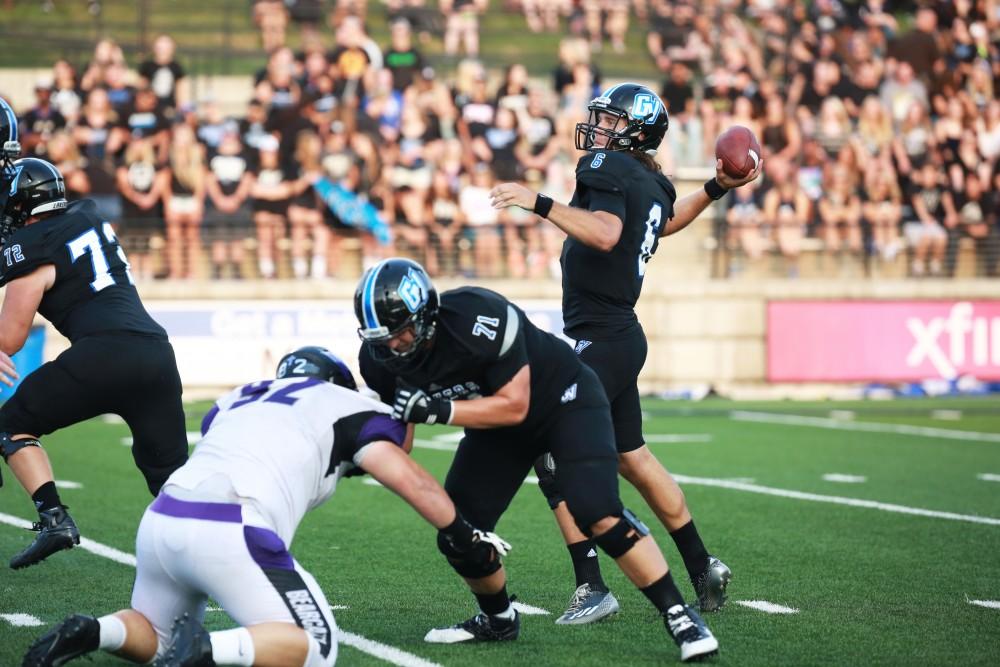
585 563
493 603
46 497
663 593
692 549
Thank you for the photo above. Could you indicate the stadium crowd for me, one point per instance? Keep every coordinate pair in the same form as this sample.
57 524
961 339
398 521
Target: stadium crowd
880 132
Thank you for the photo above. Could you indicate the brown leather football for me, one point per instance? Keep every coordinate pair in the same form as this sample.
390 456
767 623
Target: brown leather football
739 151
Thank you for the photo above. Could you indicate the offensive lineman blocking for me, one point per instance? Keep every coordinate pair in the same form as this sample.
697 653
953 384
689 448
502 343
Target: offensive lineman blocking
272 450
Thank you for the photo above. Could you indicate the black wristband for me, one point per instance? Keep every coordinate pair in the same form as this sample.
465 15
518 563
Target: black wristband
458 533
543 205
714 191
444 410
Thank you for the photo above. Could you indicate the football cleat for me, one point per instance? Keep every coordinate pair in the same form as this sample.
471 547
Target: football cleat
710 585
479 628
589 604
56 531
75 636
190 645
690 633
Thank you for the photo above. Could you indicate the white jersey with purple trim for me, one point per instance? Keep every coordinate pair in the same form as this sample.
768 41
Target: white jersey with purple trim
282 445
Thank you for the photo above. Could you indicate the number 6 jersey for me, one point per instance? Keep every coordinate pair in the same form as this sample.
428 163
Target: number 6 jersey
93 290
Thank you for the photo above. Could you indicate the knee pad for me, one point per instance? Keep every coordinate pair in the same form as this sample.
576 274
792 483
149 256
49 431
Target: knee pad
8 446
545 469
314 658
480 561
617 541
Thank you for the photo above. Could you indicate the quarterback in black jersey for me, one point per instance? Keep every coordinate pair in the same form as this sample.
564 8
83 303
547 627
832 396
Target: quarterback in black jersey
622 205
62 261
473 359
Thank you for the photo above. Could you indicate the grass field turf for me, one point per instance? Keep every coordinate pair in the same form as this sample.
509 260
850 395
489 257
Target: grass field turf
871 587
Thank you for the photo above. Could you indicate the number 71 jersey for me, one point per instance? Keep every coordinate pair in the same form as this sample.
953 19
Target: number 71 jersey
93 290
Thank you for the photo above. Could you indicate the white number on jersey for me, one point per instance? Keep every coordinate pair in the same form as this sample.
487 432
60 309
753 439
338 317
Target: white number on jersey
483 326
89 243
652 229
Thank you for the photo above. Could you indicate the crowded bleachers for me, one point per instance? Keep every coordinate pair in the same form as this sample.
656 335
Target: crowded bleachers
879 124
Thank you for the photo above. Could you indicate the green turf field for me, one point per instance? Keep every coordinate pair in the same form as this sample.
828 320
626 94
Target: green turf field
872 582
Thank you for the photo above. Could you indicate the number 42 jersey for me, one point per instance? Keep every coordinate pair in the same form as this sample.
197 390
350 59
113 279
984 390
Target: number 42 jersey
93 290
600 289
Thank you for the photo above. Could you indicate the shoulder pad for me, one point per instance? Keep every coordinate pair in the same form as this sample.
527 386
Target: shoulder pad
25 250
480 318
605 170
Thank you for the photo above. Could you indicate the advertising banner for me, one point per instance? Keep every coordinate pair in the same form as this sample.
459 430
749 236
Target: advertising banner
227 343
830 341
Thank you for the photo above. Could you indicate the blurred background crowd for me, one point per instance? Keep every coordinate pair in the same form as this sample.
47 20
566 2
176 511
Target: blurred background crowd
879 122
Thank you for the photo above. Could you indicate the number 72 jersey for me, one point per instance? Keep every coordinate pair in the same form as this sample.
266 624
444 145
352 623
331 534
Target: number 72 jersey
93 290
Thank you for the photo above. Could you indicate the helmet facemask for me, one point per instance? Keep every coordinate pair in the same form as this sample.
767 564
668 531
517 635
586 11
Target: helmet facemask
609 122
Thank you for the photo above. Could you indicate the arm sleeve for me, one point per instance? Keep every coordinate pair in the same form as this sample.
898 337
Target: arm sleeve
352 433
21 255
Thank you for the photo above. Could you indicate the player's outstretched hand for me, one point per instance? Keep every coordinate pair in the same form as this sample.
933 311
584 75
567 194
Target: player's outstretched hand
8 374
506 195
728 182
501 545
414 406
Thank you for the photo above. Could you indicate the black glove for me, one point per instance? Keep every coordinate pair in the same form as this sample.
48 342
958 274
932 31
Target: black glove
463 538
416 407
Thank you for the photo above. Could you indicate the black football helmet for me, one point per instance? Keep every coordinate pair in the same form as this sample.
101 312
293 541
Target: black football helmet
35 187
637 110
10 149
317 362
392 296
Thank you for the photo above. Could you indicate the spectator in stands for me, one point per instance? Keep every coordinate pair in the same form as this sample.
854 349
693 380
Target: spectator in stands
914 141
446 225
354 56
902 91
184 203
833 127
498 146
573 51
513 91
976 220
482 221
164 75
544 14
988 131
410 180
882 209
38 125
786 210
874 134
143 118
462 25
918 48
306 14
402 58
98 142
745 220
539 144
933 213
269 197
305 219
228 218
271 19
144 183
779 136
606 18
106 55
840 212
66 95
63 152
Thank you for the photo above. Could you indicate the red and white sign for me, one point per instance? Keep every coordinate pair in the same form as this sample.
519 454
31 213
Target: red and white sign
834 341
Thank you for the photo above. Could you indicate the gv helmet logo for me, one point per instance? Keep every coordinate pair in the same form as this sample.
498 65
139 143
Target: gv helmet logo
412 291
646 107
16 178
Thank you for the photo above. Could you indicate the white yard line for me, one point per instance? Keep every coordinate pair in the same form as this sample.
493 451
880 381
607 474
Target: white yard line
66 484
529 610
434 444
988 477
873 427
669 438
767 607
844 479
379 650
837 500
989 604
22 620
192 438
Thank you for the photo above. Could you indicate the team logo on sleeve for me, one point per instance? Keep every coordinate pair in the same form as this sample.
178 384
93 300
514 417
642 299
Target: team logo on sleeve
413 291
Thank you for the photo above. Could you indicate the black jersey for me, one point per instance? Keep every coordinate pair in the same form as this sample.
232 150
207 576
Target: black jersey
482 341
93 290
600 289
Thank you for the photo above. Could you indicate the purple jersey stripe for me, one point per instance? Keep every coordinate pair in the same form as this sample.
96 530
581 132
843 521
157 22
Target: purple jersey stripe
187 509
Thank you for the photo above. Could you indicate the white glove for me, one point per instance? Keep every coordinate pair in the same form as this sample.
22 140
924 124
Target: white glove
501 545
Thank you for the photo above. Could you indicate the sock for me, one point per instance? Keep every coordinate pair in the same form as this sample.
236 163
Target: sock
692 549
585 564
663 593
46 497
232 647
300 267
266 268
112 633
317 268
495 604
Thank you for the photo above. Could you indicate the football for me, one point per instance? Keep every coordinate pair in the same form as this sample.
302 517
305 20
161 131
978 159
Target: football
739 151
